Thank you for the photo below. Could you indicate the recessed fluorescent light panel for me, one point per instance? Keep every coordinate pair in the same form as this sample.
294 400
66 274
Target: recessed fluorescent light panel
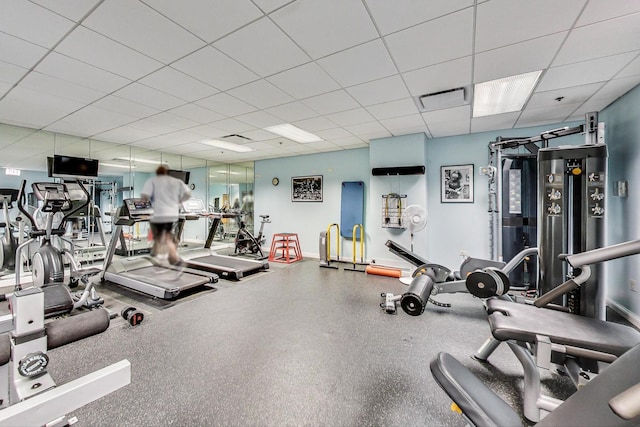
503 95
113 165
225 145
293 133
150 162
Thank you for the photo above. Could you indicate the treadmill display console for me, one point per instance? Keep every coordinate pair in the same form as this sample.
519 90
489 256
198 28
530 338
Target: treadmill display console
138 207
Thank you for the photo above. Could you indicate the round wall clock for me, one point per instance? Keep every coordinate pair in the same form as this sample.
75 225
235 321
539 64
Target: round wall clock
275 181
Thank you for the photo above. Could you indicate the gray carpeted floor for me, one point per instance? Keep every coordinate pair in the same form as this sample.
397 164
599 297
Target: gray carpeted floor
298 345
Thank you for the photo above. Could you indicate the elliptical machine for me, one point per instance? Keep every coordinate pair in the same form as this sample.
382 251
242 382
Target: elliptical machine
248 244
9 241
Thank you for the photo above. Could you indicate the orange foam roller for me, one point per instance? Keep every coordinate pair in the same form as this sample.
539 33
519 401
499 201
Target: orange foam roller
383 271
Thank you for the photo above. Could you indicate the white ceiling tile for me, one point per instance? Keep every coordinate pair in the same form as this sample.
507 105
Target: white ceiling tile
379 91
175 121
214 68
124 106
143 29
154 124
396 124
375 135
292 112
258 135
43 83
449 75
519 58
196 113
594 104
33 23
455 114
369 128
633 69
601 39
261 93
72 70
433 42
90 121
124 135
148 96
504 22
331 102
595 70
331 134
71 9
320 30
570 95
269 6
315 124
398 108
209 131
10 73
19 52
369 61
183 137
548 122
304 81
176 83
263 48
24 107
226 104
495 122
599 10
4 88
188 148
391 16
351 117
206 19
11 134
350 142
97 50
258 119
530 115
442 129
617 87
155 143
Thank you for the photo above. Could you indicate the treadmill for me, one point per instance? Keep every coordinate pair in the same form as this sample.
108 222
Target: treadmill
205 259
143 274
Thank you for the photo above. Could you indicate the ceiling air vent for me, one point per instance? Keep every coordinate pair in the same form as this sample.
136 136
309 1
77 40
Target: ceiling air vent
238 139
441 100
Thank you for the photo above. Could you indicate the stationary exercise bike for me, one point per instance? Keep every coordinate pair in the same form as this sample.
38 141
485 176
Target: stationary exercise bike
248 244
9 241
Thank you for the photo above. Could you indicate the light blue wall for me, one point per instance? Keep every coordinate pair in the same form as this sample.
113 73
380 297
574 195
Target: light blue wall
622 135
196 230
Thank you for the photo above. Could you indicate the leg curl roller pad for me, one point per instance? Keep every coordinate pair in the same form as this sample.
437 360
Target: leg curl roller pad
69 329
415 300
488 282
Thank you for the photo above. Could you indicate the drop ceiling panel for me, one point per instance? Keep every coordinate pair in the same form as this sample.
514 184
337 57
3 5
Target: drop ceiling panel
207 19
456 114
599 10
10 73
226 104
178 84
269 6
433 42
33 23
379 91
350 142
148 96
570 95
232 126
320 30
82 74
188 148
97 50
331 134
388 110
601 39
497 121
176 122
259 119
19 52
633 69
351 117
124 106
257 135
196 113
4 88
391 16
124 135
304 81
449 75
143 29
369 128
71 9
503 22
261 94
42 83
263 48
331 102
214 68
519 58
442 129
25 107
315 124
12 134
369 61
617 87
533 115
594 104
292 112
153 124
595 70
209 131
89 121
399 124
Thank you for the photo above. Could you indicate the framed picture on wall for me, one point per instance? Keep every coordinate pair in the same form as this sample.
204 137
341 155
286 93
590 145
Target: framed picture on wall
306 188
456 184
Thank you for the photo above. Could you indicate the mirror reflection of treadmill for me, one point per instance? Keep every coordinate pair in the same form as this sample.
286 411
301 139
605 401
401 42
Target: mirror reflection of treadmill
143 274
206 259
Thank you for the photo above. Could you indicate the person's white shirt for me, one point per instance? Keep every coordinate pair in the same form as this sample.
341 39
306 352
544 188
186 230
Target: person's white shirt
166 193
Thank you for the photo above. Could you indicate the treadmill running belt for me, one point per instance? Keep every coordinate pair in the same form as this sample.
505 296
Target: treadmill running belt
165 277
228 262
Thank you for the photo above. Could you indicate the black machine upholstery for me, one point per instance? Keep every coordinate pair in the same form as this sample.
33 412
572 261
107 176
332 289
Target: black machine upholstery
522 322
588 407
57 300
5 349
476 400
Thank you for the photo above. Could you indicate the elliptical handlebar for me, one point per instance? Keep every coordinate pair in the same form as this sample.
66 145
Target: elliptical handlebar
81 206
21 201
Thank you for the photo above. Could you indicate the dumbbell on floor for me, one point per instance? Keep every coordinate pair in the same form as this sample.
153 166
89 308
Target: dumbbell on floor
132 315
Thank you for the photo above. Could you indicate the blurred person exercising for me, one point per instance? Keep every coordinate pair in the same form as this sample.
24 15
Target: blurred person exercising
166 193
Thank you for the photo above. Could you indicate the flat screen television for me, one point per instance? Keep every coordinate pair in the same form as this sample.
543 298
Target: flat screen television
74 166
181 175
50 167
